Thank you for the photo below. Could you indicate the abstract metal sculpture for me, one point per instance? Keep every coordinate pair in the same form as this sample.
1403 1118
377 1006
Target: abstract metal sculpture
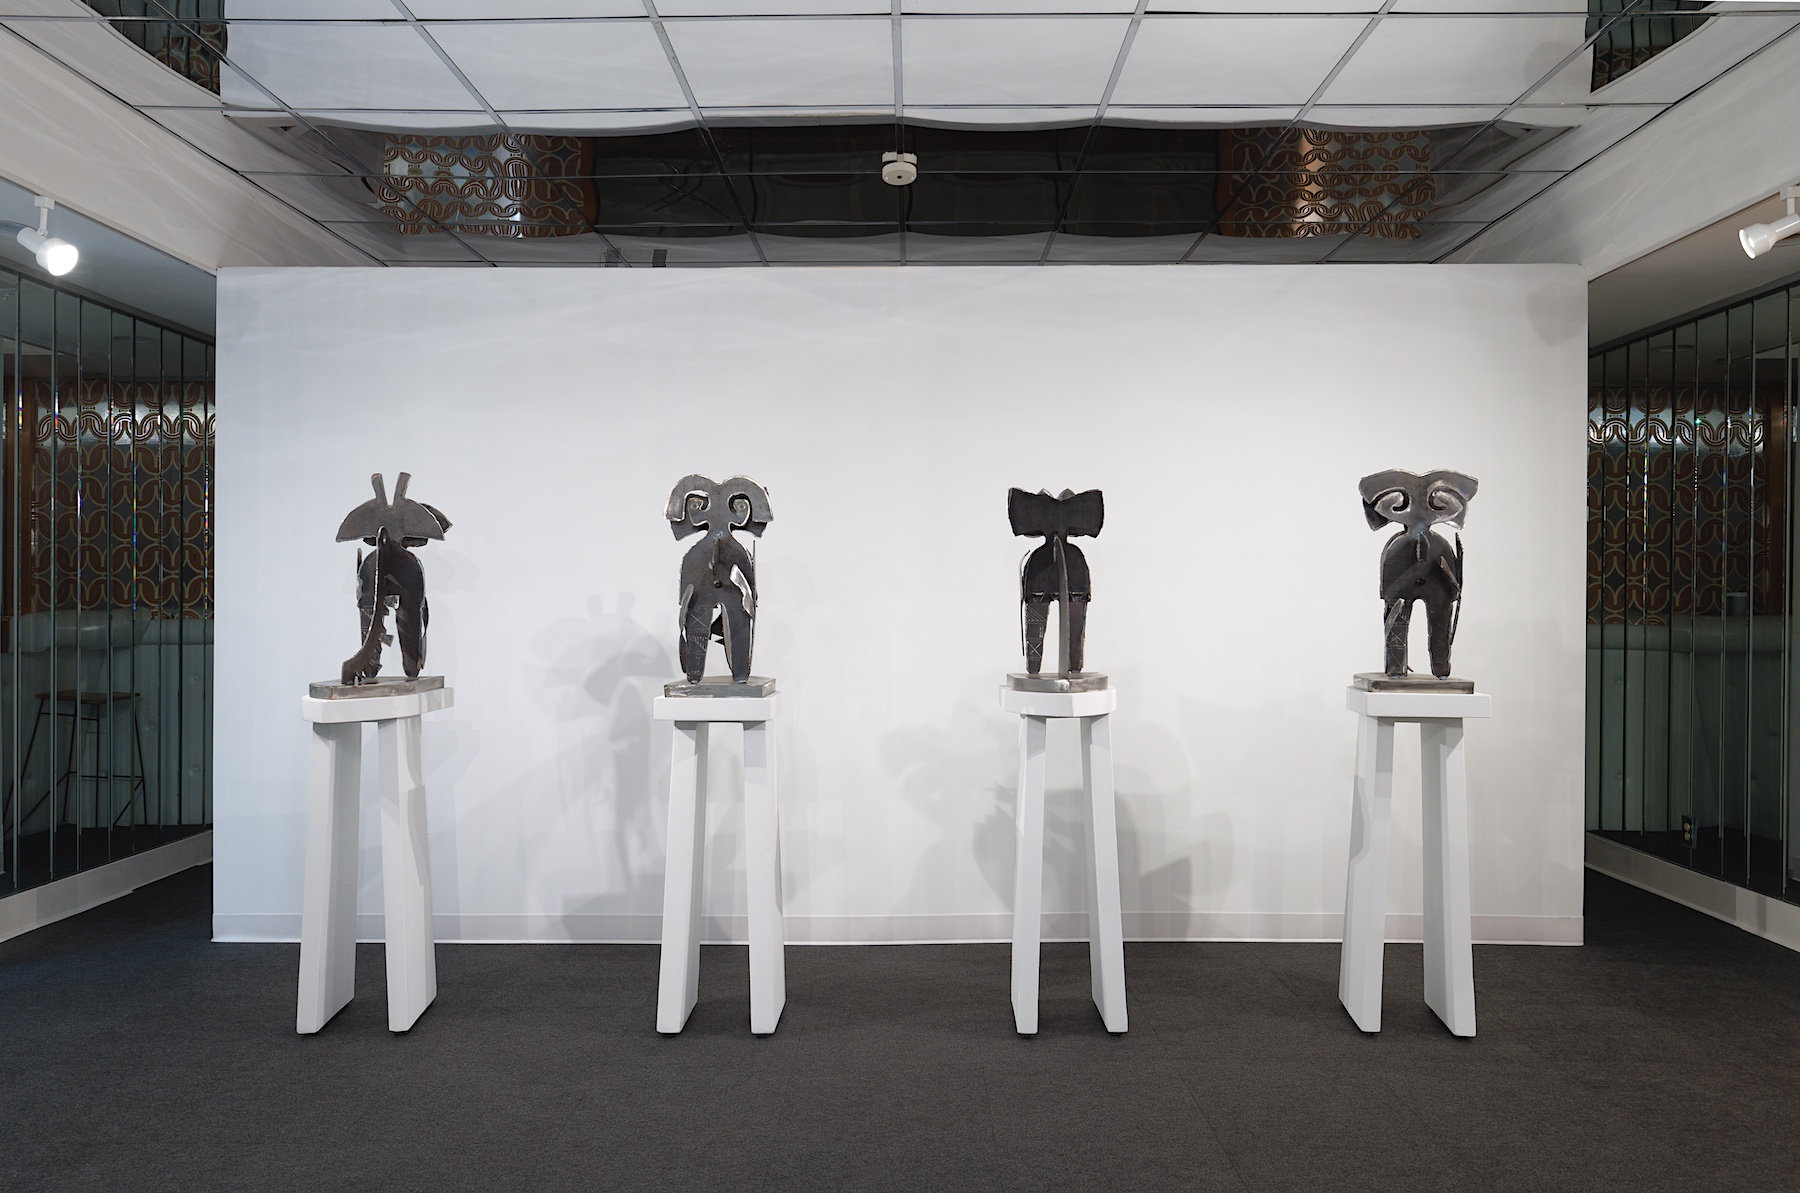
1055 571
1419 564
390 576
718 575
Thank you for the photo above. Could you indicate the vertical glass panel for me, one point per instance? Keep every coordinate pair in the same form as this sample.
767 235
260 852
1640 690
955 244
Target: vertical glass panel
102 708
1765 380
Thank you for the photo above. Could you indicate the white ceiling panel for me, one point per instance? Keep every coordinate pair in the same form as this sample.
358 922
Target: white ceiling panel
1280 7
1462 60
615 123
340 66
1023 61
309 10
759 8
1243 60
786 63
603 64
442 120
450 10
1019 6
1221 117
962 117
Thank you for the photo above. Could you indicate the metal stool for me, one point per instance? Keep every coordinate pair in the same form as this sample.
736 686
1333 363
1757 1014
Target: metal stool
86 708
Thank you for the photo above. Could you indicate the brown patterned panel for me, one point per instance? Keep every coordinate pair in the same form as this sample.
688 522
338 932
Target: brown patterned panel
1317 182
500 184
119 505
1685 502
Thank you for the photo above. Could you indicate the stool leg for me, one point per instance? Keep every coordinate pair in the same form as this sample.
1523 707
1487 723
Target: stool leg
405 872
1106 935
1365 892
1028 875
678 987
328 892
1449 959
762 858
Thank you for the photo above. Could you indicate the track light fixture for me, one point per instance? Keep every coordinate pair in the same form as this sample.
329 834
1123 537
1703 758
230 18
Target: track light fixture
1758 239
55 255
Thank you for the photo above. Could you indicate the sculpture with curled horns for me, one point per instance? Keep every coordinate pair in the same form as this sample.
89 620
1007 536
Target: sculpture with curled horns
1419 564
718 574
390 576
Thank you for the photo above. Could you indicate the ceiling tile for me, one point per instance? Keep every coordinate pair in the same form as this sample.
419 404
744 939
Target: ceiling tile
1241 60
450 10
613 123
340 66
1018 6
778 8
1462 60
607 64
309 10
1278 7
732 63
961 116
1048 60
1219 116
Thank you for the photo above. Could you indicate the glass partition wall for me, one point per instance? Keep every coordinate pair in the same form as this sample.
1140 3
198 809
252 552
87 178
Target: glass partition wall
105 584
1692 703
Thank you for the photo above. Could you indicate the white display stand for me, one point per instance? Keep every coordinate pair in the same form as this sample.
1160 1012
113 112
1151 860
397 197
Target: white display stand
328 898
1106 937
1449 958
678 987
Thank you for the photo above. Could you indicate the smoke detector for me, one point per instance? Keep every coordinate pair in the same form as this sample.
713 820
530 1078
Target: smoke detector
899 169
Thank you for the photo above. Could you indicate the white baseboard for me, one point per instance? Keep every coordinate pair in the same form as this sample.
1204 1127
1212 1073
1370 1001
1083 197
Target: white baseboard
993 927
77 893
1772 919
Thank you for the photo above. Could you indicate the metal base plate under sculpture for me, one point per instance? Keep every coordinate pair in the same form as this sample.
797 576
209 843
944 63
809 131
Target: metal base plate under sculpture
1075 681
328 896
381 685
1375 681
678 985
715 686
1449 957
1106 937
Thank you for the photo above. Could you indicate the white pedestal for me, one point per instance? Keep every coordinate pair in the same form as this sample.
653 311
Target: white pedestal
1106 937
328 898
1449 959
679 985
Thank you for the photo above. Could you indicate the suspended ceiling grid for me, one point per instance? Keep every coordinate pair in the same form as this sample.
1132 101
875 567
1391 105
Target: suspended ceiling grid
1487 75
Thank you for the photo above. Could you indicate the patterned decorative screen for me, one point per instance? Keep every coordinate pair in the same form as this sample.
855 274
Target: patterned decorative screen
1316 182
1691 704
106 607
503 184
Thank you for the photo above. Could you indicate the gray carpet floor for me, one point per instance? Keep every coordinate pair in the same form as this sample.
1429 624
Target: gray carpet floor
137 1055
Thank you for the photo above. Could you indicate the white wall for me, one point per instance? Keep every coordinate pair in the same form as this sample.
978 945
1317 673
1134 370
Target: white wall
1227 412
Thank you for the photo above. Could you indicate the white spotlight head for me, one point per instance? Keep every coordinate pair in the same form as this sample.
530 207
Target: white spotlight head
55 255
1758 239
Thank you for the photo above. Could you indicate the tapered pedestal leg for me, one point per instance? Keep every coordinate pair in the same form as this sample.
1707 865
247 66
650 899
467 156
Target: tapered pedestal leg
1106 935
405 873
762 857
678 988
1028 880
1444 819
328 894
1365 894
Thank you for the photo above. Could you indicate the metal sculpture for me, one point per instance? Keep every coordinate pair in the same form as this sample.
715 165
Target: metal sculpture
390 576
1419 564
1055 571
718 574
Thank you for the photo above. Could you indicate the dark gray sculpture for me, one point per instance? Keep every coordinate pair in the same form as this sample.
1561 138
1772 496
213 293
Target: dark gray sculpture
1419 564
390 576
718 575
1056 571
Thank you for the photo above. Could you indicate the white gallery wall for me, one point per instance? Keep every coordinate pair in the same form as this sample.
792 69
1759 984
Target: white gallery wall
1227 412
